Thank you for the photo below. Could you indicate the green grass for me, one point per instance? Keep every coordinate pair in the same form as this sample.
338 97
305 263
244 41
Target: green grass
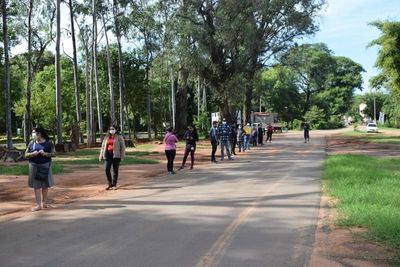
367 190
80 159
18 169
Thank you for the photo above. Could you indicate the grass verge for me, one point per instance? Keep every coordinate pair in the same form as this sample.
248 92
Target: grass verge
80 159
379 138
367 190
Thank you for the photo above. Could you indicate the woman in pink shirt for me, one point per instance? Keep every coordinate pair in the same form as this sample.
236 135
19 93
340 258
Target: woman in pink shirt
170 140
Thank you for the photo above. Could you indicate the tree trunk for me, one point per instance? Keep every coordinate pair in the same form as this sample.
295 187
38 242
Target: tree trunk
89 129
96 74
76 72
248 104
27 115
121 73
110 80
7 94
181 102
58 76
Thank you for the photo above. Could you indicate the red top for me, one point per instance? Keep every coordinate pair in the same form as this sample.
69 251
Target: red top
110 144
270 129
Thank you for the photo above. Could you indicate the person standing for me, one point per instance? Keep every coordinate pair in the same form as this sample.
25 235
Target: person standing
306 128
233 139
240 138
270 131
39 152
254 135
214 140
247 134
260 135
224 133
170 141
112 151
191 138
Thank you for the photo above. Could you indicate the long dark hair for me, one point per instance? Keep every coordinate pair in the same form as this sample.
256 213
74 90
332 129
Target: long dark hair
42 132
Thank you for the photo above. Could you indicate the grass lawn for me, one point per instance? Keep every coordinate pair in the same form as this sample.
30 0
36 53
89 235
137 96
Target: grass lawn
81 159
368 193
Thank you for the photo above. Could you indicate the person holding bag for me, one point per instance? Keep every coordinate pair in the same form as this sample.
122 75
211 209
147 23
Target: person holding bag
39 153
191 138
112 151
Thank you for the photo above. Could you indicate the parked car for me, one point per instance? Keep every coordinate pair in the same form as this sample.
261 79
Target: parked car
372 128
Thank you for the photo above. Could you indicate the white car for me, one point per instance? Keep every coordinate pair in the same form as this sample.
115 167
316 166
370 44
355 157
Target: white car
372 128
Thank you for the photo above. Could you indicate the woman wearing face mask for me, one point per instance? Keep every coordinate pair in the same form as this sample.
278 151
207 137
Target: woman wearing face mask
191 138
39 152
112 151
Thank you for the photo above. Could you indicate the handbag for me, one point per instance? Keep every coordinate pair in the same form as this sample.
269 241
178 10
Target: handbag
42 173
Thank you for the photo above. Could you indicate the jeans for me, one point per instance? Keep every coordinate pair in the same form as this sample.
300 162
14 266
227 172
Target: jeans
247 142
254 137
241 146
114 163
187 151
225 144
269 136
170 158
214 147
233 146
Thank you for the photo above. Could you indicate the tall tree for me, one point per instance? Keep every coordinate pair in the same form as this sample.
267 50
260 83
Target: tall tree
58 74
95 69
109 70
76 68
7 92
27 115
121 72
388 60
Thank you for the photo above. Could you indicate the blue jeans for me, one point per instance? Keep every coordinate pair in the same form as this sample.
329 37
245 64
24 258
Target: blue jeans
247 142
241 146
225 144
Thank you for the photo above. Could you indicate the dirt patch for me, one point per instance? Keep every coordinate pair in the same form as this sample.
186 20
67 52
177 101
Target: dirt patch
17 198
335 246
350 145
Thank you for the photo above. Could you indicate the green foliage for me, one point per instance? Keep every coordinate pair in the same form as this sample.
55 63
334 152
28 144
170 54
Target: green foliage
367 192
202 123
389 54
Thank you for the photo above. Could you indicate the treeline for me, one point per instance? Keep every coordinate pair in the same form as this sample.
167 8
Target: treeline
144 65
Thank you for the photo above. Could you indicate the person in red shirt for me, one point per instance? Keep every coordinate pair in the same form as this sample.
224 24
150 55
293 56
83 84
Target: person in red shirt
270 131
112 151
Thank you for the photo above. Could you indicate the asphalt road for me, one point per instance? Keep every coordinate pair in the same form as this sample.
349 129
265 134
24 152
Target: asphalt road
258 210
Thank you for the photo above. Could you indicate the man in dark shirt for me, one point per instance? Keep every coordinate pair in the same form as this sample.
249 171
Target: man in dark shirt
214 140
306 128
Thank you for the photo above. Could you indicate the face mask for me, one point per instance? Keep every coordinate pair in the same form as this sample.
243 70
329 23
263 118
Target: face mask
34 136
112 132
224 122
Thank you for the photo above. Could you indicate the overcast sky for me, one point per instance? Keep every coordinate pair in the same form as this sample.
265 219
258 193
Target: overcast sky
343 27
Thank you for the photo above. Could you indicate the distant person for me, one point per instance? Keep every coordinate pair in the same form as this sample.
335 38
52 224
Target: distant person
224 133
260 135
240 138
233 139
170 141
306 128
247 131
191 138
112 151
254 135
39 152
270 131
214 139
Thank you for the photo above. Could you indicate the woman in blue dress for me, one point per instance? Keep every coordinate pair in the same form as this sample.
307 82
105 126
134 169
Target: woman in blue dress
39 152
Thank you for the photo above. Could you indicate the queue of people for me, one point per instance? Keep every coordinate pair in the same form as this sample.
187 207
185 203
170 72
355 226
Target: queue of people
40 152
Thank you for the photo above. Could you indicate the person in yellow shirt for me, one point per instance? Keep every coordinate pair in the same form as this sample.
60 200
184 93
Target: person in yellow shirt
247 131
